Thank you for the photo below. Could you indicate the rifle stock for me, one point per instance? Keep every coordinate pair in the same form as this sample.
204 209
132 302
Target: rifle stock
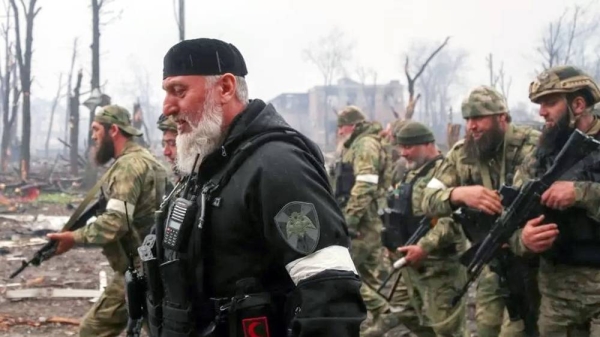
47 251
526 205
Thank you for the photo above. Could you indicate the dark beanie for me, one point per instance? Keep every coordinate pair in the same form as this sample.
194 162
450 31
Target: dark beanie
204 57
413 133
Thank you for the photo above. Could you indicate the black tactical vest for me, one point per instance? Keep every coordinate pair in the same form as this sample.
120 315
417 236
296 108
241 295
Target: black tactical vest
344 181
399 222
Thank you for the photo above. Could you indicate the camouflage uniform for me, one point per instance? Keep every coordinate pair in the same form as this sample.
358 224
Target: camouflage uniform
370 163
459 170
134 187
570 295
165 124
426 291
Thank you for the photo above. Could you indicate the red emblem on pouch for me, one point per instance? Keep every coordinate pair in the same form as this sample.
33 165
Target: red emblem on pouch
256 327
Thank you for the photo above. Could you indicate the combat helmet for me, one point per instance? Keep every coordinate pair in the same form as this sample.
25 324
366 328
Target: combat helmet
563 79
483 101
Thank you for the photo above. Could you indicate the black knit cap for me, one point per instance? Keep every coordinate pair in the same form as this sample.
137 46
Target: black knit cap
204 57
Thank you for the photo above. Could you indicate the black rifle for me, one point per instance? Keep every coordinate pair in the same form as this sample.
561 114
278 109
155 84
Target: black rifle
525 206
48 250
424 227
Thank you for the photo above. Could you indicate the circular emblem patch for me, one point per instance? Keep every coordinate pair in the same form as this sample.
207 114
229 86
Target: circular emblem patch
298 224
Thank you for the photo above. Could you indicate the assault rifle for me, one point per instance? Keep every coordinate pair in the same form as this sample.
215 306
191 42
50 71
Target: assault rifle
525 206
48 250
424 227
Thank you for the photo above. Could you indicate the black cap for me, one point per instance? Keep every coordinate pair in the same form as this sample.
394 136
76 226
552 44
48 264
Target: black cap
203 57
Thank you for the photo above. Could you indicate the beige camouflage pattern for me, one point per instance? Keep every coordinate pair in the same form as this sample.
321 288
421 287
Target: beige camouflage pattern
458 170
483 101
570 296
561 80
368 155
139 179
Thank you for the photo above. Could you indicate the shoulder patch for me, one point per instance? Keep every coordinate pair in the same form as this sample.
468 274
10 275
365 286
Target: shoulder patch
298 224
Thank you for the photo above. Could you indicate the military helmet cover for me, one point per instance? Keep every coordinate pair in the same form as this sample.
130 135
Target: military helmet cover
165 123
483 101
350 115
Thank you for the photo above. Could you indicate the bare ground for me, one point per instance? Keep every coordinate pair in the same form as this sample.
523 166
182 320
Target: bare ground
77 269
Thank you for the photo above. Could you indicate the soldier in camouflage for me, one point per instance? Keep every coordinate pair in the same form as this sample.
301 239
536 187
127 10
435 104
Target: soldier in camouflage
434 276
569 272
473 170
361 185
169 144
134 187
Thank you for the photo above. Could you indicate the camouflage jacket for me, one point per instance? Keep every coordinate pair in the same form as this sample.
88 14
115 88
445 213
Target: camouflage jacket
458 170
134 186
587 193
445 233
370 158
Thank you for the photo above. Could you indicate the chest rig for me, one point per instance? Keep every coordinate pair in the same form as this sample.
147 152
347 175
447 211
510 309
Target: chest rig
344 181
176 301
399 222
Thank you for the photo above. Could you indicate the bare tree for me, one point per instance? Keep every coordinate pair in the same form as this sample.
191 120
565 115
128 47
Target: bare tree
24 62
74 125
570 38
499 78
439 82
180 17
330 54
69 91
57 97
412 100
8 119
369 91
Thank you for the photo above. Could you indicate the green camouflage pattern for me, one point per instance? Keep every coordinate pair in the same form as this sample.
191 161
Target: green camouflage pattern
483 101
398 170
165 123
138 179
562 80
570 295
459 170
369 156
439 278
108 316
350 115
117 115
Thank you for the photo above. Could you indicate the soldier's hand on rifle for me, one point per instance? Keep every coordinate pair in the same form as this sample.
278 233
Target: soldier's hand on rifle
537 237
560 195
413 254
66 241
479 197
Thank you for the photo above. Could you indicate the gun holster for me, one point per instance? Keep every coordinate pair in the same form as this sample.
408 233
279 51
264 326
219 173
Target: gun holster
135 290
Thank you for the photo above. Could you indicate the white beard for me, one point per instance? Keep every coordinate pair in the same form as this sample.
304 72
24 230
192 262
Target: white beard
203 139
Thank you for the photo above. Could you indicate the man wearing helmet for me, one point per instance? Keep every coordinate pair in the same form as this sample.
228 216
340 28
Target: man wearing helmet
471 173
362 179
569 272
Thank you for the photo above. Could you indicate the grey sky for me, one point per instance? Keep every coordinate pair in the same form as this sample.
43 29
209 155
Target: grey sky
271 35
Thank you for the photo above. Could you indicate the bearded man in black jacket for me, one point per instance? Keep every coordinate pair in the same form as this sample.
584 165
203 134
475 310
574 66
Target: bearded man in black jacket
253 242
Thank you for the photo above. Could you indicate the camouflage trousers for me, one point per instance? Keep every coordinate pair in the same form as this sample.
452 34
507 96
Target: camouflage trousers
490 312
422 302
432 287
108 316
367 257
570 303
